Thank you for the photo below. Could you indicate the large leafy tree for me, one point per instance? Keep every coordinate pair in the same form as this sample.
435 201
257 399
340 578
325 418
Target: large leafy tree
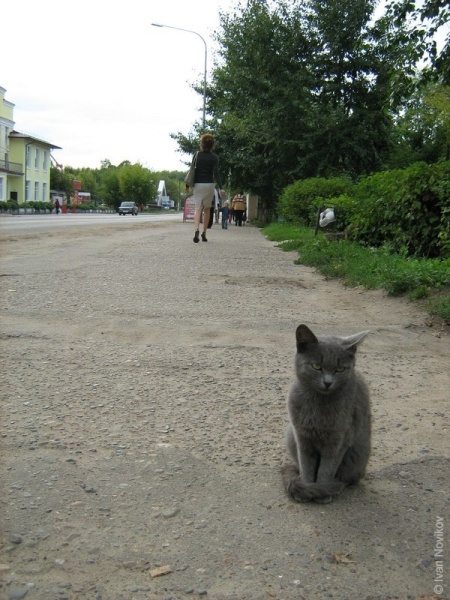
422 129
423 21
259 97
136 183
249 99
311 88
89 182
301 90
61 181
110 187
350 94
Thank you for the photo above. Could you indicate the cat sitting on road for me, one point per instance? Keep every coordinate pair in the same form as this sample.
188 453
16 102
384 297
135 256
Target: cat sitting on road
329 412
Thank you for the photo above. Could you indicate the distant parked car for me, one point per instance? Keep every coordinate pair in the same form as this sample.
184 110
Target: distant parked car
128 208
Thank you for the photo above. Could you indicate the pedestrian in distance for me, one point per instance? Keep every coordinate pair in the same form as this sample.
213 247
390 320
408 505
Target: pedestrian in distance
216 205
239 208
225 210
213 215
206 176
57 206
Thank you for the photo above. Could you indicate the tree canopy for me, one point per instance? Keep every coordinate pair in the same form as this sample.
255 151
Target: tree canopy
310 88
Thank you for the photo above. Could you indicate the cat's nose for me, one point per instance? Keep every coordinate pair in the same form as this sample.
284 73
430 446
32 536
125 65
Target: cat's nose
327 383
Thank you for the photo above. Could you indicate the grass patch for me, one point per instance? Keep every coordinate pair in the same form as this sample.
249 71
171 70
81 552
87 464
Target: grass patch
440 307
371 268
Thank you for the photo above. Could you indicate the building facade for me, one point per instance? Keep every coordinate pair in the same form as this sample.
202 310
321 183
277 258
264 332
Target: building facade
24 160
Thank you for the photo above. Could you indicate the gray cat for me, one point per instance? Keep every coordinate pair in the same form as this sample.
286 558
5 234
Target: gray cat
329 411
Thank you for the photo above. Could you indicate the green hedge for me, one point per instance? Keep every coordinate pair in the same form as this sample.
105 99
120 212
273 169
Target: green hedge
406 209
300 201
9 205
37 205
85 206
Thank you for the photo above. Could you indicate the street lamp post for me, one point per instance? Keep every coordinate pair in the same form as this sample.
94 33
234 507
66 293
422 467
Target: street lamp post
206 58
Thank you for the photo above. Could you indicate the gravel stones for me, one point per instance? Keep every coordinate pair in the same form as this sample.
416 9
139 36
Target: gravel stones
153 436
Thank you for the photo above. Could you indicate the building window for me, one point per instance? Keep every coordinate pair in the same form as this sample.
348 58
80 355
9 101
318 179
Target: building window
36 158
36 191
44 192
2 188
27 156
45 161
27 190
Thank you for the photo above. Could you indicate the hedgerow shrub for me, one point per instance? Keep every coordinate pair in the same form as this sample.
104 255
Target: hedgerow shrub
85 206
37 205
9 205
300 201
406 209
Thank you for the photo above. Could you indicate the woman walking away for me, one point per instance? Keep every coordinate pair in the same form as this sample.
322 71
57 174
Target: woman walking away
206 175
239 208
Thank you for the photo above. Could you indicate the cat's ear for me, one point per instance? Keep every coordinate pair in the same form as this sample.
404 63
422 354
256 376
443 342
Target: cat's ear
304 336
351 342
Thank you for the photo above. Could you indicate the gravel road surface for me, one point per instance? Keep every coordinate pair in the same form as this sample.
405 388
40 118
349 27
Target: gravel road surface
143 408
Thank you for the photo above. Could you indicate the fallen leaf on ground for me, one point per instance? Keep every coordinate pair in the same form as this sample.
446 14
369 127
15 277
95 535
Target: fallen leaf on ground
342 558
161 571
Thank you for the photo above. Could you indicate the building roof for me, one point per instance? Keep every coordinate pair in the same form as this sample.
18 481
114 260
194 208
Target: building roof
32 138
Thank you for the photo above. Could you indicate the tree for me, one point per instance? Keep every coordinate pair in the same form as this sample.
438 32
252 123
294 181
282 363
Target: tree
137 183
259 100
89 182
350 96
110 187
61 181
423 21
422 130
307 88
302 91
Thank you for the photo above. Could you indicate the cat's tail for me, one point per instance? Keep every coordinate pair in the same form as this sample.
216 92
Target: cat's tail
303 492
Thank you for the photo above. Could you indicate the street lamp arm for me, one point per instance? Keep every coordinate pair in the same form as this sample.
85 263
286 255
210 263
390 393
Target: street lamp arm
206 60
181 29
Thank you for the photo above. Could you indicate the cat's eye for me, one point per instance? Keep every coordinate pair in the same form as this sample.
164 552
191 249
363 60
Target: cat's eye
316 366
340 369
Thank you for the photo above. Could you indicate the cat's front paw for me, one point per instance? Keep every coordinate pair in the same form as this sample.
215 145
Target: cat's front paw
302 499
325 500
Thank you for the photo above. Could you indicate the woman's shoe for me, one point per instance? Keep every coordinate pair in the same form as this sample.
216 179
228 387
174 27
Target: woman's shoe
196 240
204 237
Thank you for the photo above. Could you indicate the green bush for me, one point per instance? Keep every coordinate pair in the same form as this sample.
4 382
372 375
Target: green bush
344 209
9 205
85 206
408 209
441 308
37 205
300 201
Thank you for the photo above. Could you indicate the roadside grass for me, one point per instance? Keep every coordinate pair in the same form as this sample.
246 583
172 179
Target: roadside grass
371 268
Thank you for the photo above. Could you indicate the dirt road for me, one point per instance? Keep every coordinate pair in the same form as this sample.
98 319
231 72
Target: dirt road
144 383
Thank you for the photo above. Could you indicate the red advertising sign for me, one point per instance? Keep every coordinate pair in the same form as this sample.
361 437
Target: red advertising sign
189 209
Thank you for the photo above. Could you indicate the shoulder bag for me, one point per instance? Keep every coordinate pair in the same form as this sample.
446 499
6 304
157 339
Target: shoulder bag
190 177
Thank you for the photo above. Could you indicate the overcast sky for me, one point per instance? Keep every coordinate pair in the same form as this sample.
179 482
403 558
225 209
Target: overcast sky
95 78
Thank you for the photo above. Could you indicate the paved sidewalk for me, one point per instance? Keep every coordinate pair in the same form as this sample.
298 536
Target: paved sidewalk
143 413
